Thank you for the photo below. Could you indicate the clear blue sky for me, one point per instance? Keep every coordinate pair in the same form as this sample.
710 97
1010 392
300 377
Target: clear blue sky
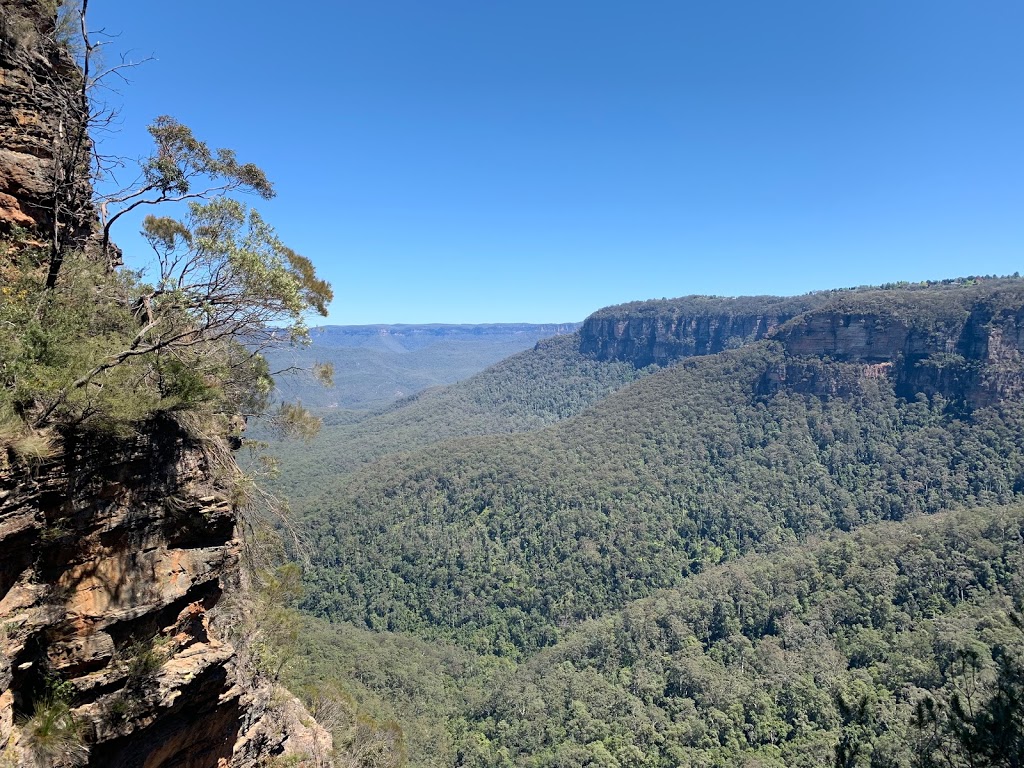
478 161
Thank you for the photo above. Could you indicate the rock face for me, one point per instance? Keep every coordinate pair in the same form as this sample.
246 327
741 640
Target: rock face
44 152
115 553
962 340
661 332
965 346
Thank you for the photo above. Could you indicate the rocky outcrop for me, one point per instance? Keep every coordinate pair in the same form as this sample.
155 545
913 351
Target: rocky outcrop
661 332
960 339
965 345
115 552
44 149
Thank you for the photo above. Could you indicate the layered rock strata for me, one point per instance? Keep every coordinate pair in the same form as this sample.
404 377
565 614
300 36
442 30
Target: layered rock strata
963 340
661 332
114 555
971 352
45 151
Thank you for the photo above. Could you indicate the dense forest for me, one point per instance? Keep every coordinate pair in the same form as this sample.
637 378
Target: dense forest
502 540
766 661
804 549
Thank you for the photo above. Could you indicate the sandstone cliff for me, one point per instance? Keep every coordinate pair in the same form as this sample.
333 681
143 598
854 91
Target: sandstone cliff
661 332
115 551
960 339
44 151
964 343
115 554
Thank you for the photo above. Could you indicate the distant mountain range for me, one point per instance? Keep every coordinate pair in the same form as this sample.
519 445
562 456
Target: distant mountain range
374 365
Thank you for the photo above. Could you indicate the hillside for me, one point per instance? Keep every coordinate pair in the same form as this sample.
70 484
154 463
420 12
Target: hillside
524 392
499 542
556 379
749 663
753 663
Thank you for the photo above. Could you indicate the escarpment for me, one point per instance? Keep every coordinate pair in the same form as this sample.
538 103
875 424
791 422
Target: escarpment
117 552
661 332
964 345
960 339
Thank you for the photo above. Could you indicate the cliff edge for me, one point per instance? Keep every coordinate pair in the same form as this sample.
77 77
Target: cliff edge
117 547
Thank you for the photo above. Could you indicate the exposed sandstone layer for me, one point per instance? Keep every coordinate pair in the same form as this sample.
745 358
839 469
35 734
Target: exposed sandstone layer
114 553
970 352
962 340
661 332
44 152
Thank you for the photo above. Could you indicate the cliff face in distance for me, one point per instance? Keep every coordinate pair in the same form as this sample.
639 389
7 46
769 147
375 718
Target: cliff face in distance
963 343
662 331
962 339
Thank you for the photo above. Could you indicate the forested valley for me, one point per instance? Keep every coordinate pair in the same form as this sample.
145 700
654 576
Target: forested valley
723 533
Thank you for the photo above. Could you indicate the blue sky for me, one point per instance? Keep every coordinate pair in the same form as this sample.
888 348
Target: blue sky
475 161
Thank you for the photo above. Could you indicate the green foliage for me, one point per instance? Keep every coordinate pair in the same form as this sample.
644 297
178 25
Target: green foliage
980 726
788 660
760 659
527 391
295 421
142 659
55 336
179 158
273 630
498 542
397 694
102 348
51 732
224 271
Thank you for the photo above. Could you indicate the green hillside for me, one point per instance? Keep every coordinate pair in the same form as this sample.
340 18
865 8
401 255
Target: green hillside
747 664
802 549
752 663
499 541
524 392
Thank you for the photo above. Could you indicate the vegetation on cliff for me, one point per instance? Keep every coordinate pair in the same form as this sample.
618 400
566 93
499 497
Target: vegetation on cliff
119 393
